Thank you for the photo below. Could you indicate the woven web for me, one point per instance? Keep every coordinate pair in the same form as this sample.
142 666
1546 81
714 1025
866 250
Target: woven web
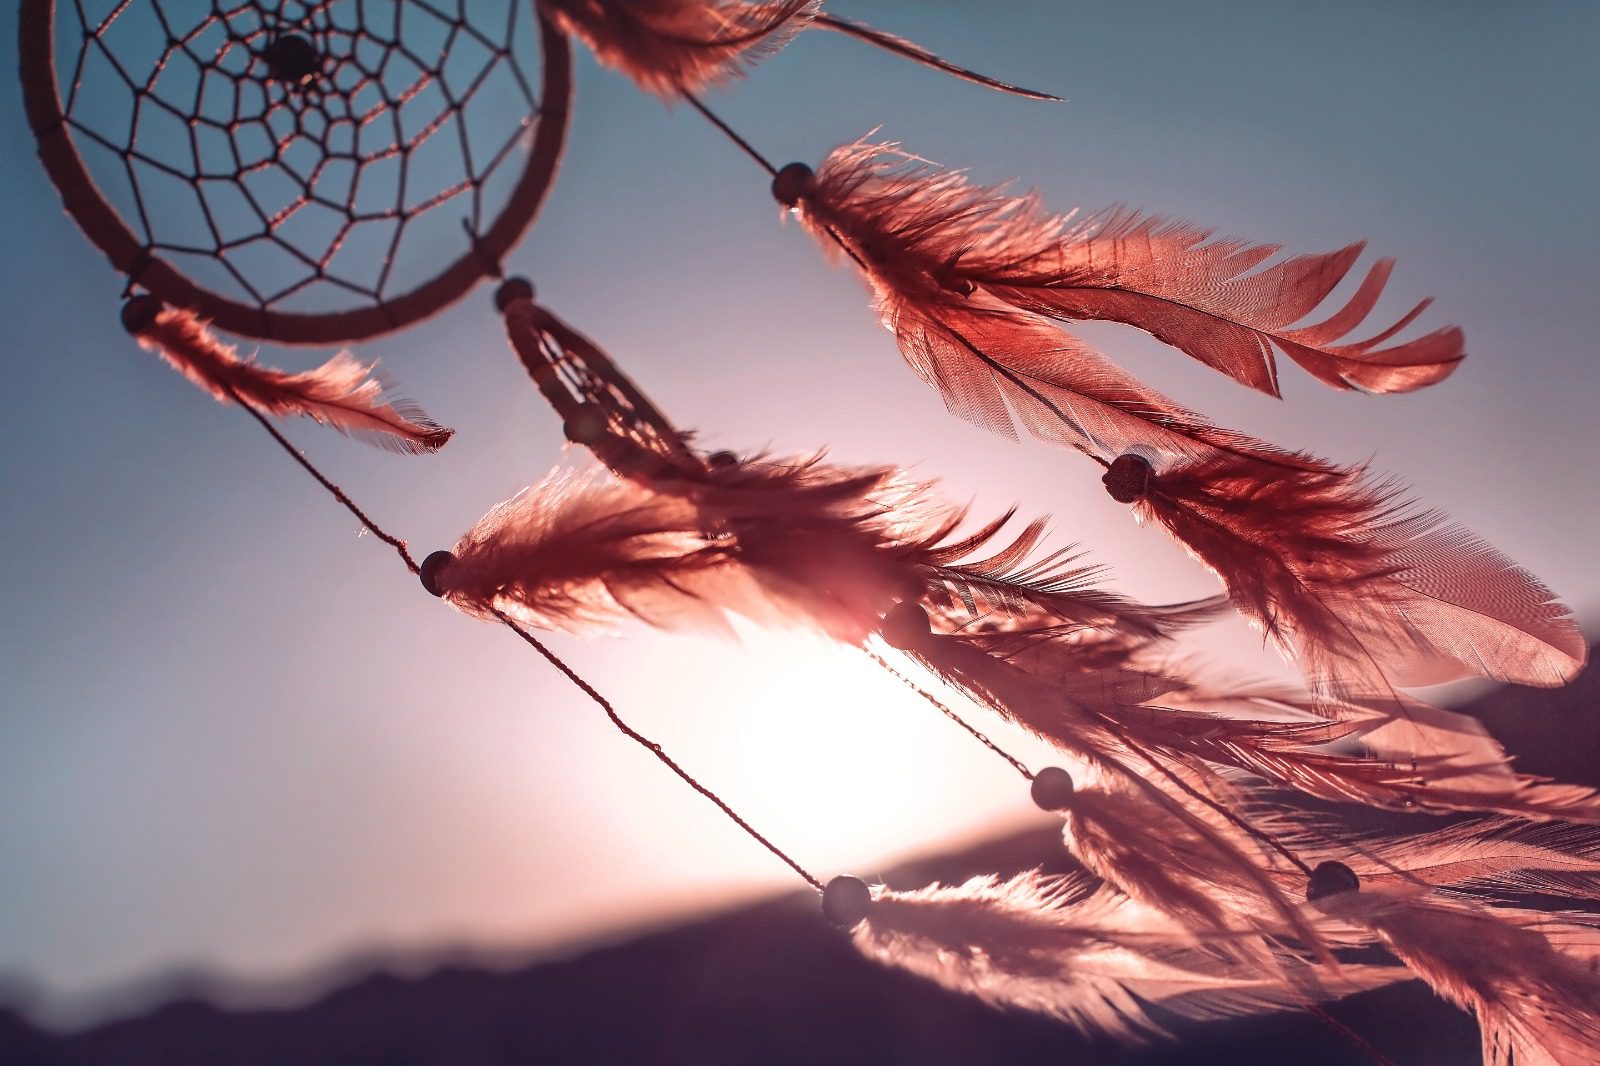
301 155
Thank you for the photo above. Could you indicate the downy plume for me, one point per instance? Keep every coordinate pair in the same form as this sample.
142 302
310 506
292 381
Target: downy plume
342 393
1528 976
795 542
671 47
921 230
579 551
1360 586
1096 961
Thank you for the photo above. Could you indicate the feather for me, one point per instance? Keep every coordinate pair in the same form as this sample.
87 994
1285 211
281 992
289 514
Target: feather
1017 589
1536 1004
1489 857
778 541
1097 962
341 393
1359 585
929 228
670 47
578 551
1128 840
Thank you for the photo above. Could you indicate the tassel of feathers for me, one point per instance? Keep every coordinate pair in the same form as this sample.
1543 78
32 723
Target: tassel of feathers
672 47
341 393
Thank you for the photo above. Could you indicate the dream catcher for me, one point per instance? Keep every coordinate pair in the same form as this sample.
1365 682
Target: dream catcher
325 172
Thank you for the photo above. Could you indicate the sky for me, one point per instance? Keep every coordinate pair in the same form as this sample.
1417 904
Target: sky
236 737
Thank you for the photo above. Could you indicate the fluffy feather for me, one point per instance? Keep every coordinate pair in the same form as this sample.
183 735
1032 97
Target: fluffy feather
1137 844
1536 1004
1095 961
797 541
930 229
576 551
341 393
1359 585
669 47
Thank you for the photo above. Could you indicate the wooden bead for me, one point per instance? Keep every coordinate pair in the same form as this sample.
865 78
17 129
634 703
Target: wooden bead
510 291
906 626
292 59
139 313
846 900
432 570
1128 478
791 184
1052 789
587 425
1331 878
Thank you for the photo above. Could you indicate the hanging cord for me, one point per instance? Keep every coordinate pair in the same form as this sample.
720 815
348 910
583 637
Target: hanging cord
334 490
728 130
654 748
945 710
533 642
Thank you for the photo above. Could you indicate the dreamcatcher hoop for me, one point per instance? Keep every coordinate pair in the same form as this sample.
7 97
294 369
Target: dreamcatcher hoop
296 70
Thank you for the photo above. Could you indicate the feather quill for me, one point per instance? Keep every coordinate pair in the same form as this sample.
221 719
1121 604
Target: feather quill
342 393
1098 962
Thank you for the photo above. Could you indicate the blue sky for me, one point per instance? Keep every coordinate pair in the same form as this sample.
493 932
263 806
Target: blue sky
233 734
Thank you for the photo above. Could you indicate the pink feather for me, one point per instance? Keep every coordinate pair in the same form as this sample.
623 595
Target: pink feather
671 47
1095 961
341 393
1359 585
926 229
1529 977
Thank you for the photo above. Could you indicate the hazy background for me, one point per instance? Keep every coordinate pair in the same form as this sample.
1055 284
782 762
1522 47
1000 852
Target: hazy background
235 735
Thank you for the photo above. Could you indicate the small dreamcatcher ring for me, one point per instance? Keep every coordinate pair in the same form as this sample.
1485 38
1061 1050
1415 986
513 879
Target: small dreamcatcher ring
301 149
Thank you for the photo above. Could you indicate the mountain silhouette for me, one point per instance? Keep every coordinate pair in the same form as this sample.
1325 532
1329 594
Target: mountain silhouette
773 983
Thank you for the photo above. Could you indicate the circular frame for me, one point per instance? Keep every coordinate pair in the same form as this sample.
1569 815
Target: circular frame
103 226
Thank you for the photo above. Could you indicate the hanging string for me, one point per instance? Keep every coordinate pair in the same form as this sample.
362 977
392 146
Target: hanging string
334 490
945 710
655 749
537 645
750 151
